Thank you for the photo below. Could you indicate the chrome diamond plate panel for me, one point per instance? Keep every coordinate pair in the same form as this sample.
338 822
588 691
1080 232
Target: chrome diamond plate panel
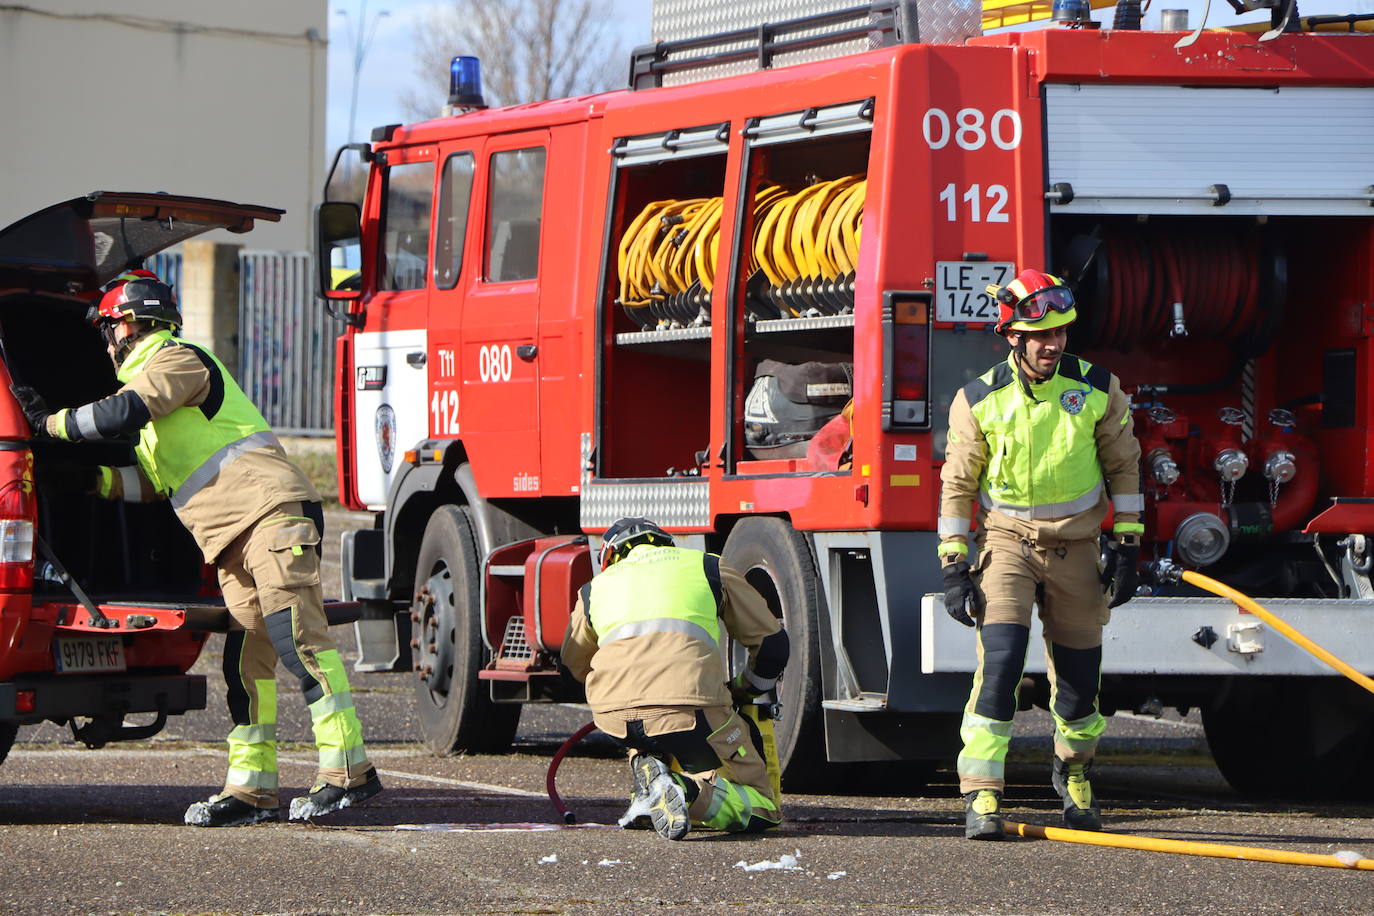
673 503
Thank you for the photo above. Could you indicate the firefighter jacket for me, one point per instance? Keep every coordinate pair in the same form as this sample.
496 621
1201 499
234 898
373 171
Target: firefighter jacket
1040 458
647 631
201 442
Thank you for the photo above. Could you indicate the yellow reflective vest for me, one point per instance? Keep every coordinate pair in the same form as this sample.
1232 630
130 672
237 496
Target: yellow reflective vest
183 451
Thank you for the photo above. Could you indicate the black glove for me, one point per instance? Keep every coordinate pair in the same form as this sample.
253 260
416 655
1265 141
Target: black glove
35 408
744 693
961 593
1120 571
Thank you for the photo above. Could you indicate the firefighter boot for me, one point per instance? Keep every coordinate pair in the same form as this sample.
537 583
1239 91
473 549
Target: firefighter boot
228 811
325 798
983 815
661 795
1071 782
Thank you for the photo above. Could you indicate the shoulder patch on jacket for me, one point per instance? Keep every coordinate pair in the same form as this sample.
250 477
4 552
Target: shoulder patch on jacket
981 387
1080 370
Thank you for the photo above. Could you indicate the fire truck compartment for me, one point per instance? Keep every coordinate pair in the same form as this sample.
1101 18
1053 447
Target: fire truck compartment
117 551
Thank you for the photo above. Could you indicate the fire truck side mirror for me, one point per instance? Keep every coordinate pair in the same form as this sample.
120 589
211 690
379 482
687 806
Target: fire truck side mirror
338 250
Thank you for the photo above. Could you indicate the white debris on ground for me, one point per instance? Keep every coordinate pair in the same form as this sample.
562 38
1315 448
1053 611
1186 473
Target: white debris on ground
784 862
549 860
836 874
1348 858
609 862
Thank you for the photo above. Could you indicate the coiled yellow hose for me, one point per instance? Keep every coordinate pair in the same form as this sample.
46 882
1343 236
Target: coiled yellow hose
672 246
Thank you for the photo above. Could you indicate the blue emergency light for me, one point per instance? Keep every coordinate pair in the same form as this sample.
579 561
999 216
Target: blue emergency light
465 83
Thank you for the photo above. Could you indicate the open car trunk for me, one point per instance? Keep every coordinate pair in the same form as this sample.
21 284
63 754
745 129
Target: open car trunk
119 552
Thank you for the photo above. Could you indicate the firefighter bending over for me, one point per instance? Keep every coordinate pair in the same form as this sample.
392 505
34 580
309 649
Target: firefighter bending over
203 445
646 637
1041 441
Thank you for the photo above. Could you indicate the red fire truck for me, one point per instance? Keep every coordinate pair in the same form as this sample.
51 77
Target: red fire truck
569 311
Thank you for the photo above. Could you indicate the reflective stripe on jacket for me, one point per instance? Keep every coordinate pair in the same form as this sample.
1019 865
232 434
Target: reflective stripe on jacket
183 451
657 590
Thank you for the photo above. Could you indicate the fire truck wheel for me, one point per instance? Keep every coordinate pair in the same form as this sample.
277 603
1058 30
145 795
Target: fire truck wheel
1309 739
7 732
776 560
455 708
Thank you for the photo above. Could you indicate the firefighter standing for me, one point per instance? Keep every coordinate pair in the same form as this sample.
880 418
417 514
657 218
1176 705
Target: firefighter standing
645 636
1040 442
202 444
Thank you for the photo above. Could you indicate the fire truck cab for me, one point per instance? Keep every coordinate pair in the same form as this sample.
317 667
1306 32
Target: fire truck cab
568 311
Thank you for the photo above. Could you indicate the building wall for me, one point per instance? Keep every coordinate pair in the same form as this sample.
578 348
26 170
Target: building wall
223 100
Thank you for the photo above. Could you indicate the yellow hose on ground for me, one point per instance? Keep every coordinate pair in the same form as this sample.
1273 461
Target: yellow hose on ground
1218 850
1245 601
1184 847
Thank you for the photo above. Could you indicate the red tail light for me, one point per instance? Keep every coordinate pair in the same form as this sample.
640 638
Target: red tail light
17 513
906 360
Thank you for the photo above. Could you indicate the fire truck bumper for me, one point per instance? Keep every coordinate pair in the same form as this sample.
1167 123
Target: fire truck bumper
1184 636
26 701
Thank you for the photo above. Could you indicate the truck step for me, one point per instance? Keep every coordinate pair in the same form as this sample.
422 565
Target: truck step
868 702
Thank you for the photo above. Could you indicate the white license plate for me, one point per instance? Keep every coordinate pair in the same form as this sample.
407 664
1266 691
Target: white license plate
87 654
960 289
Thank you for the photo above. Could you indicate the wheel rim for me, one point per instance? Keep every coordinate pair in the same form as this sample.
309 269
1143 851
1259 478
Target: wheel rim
436 617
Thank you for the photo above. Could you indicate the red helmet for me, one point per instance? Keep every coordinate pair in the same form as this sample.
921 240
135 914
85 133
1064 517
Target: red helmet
1034 301
137 295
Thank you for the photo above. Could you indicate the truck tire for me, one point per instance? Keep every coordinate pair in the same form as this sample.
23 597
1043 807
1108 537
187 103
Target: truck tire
455 709
775 559
7 732
1279 738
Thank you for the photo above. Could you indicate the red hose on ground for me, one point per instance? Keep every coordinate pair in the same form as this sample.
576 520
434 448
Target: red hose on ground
549 780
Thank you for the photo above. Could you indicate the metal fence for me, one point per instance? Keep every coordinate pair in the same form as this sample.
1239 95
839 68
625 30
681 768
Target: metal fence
286 341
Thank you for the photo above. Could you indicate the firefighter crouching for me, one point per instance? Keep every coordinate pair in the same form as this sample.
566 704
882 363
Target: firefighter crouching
1040 442
203 445
645 636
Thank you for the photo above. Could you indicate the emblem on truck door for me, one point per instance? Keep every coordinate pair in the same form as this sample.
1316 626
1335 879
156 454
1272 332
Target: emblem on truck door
386 436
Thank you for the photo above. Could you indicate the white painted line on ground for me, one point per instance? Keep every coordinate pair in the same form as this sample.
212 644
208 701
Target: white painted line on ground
439 780
286 758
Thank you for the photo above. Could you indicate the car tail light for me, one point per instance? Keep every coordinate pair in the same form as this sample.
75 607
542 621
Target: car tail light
25 700
16 536
906 360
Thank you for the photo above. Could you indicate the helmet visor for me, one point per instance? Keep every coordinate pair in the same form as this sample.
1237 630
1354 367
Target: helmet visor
1041 302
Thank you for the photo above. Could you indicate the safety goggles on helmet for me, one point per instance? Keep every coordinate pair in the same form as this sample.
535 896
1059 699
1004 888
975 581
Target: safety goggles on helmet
1040 303
1034 300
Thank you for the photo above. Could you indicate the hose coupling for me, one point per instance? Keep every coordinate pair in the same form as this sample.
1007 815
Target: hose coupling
1163 467
1164 572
